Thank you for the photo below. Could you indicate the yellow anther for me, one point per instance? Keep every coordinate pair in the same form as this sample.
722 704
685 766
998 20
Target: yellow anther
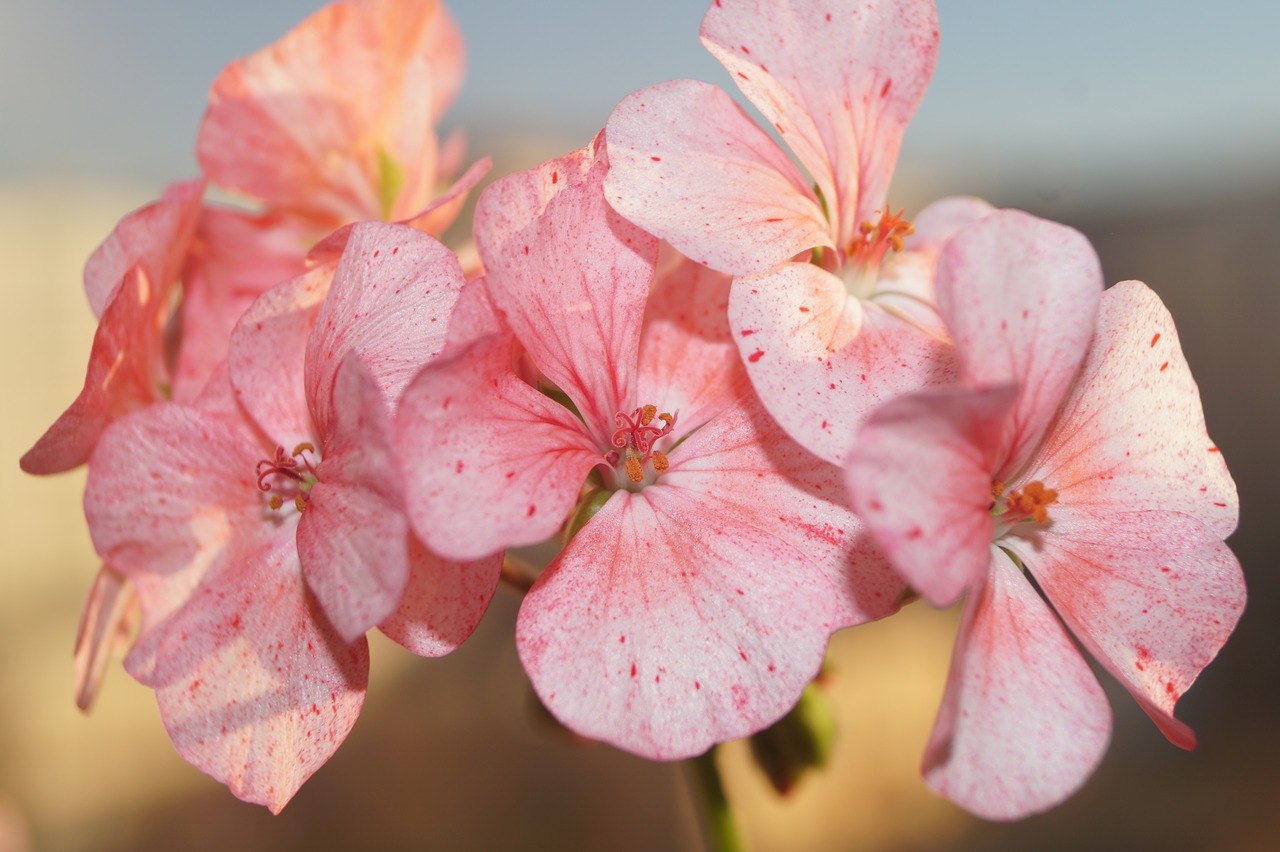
300 501
634 470
276 501
660 462
647 413
304 446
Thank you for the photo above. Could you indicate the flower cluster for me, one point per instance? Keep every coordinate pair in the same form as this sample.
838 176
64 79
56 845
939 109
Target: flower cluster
753 404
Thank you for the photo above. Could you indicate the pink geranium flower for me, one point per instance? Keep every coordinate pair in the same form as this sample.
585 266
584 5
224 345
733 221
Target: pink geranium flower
826 339
1074 451
712 555
264 536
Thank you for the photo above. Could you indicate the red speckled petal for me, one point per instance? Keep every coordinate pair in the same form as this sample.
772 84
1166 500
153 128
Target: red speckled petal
108 622
391 299
822 360
234 259
718 188
1023 723
156 236
306 123
920 477
253 687
1151 595
839 79
488 462
674 620
1131 435
353 536
1020 296
688 363
443 601
571 278
267 357
172 493
125 373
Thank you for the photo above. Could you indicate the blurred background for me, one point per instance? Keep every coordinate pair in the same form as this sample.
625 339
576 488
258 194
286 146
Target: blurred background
1154 127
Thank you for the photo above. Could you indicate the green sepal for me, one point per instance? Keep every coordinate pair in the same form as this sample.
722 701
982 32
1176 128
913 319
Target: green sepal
799 742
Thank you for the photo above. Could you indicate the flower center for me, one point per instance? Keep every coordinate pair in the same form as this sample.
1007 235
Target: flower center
864 256
634 439
293 473
1030 504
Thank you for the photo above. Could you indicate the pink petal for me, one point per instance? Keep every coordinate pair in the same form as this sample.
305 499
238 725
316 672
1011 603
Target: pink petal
671 622
717 188
839 79
920 477
172 493
306 123
571 278
822 360
353 536
390 302
443 601
156 236
435 219
1020 296
688 363
125 373
267 356
1023 723
254 688
234 259
942 219
1131 434
1152 595
107 623
488 462
743 466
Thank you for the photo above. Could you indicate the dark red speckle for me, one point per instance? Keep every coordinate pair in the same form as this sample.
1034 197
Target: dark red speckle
396 250
697 685
747 332
1164 366
1222 505
532 509
755 356
1156 338
884 91
773 219
914 533
555 177
656 159
377 252
744 50
458 467
743 76
742 654
1214 450
526 249
633 669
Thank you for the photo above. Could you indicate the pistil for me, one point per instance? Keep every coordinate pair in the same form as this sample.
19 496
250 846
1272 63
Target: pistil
635 437
296 471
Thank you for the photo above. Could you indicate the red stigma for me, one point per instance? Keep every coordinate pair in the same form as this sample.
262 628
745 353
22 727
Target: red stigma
297 471
636 435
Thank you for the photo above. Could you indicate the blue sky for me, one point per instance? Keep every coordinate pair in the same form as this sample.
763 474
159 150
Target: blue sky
1114 92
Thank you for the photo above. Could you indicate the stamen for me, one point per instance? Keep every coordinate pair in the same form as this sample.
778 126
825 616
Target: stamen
660 462
1031 503
879 238
635 471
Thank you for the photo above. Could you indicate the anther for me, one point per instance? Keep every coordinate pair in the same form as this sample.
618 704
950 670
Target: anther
635 471
660 462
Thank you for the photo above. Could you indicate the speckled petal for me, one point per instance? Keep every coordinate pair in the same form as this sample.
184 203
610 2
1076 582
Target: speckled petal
1023 722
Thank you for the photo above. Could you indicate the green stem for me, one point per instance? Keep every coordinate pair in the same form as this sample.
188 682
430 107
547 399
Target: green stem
718 824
